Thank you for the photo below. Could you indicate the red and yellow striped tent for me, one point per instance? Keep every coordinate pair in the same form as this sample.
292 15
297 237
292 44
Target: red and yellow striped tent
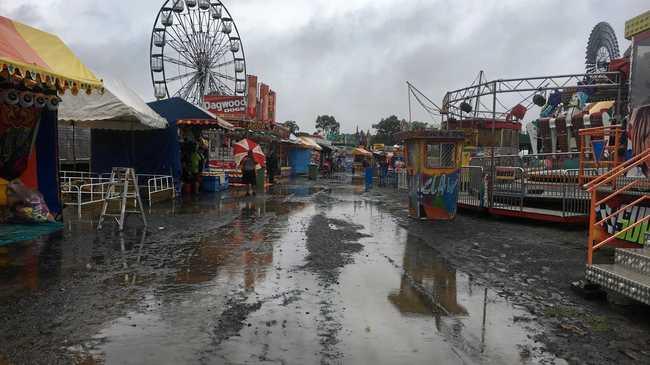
32 54
35 61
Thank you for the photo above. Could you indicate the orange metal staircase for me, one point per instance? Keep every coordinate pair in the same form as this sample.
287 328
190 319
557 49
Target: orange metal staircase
590 165
619 217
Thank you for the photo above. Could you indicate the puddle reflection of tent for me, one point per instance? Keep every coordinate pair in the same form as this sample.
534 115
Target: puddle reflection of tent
255 266
212 254
23 266
203 266
428 285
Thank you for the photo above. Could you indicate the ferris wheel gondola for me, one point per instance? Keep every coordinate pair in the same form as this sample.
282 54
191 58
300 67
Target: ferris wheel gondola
196 50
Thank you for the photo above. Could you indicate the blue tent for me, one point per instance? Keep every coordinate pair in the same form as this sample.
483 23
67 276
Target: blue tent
154 151
299 159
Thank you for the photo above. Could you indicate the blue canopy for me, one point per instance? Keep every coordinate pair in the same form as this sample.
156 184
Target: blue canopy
150 151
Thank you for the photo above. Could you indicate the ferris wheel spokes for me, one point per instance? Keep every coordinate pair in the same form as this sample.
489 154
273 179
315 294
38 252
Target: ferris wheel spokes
220 85
195 51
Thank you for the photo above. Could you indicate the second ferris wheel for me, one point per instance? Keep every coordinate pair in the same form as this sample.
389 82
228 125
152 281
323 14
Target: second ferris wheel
196 51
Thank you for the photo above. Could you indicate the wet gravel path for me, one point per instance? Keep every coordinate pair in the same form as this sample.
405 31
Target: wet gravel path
308 274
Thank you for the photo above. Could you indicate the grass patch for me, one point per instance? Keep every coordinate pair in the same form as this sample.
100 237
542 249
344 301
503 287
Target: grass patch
595 323
598 323
559 312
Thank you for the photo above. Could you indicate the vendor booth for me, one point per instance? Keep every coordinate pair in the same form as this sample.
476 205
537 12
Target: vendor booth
433 166
303 154
359 154
118 110
153 151
35 67
209 140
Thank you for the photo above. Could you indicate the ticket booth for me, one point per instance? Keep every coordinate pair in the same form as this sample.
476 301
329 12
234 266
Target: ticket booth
433 162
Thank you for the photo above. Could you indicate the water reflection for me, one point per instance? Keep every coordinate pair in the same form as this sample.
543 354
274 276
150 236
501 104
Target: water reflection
245 241
428 285
23 266
130 277
473 318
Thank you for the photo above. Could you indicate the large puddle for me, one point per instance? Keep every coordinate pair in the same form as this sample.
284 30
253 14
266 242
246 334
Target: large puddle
241 293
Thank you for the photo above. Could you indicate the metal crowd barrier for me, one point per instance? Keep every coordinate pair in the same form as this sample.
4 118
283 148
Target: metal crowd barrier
80 188
402 180
508 188
542 183
472 187
156 184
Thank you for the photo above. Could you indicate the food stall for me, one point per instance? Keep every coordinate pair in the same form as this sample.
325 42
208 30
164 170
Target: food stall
35 68
303 154
359 154
433 162
211 138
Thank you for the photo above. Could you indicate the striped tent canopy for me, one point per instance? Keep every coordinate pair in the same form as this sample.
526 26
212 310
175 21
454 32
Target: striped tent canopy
36 57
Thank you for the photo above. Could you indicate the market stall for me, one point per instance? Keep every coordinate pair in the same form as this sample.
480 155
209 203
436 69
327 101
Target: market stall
284 148
153 151
360 154
210 138
302 155
35 68
117 109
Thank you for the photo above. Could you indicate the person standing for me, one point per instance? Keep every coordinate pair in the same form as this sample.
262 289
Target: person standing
248 173
367 169
383 171
196 169
272 165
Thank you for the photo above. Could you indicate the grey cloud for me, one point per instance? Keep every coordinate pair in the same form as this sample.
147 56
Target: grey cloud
354 64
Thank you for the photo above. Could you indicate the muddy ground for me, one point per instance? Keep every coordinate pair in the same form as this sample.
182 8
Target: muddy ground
533 265
308 273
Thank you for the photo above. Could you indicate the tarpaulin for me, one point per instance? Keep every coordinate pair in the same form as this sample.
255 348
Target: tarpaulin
41 56
309 143
360 151
119 107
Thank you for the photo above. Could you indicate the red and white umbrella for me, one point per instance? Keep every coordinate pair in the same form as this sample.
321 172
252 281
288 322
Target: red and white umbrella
241 148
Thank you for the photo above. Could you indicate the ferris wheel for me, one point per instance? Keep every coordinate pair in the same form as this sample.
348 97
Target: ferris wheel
196 51
602 48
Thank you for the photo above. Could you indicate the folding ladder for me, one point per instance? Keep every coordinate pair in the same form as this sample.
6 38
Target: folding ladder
123 187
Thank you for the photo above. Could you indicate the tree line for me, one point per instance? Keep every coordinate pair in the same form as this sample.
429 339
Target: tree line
386 129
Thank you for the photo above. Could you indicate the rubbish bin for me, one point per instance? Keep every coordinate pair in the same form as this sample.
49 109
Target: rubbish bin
261 178
313 171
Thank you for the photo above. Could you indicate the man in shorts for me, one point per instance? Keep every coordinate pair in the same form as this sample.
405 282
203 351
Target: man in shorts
248 173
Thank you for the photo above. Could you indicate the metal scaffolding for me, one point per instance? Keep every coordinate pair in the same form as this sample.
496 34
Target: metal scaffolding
609 84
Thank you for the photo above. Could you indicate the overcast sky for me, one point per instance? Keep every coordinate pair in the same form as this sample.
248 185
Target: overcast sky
349 58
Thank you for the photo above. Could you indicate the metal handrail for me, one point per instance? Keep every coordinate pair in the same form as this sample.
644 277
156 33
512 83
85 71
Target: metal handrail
593 186
618 170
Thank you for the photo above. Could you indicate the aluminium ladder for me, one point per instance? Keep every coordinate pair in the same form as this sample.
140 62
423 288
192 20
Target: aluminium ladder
123 188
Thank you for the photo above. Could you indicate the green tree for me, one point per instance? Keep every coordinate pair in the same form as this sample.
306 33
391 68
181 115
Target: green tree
418 126
292 125
327 124
386 130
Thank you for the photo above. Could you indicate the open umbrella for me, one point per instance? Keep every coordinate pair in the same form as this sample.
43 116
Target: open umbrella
241 148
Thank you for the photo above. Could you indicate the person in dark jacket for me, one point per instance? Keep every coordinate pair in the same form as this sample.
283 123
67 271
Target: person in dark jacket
272 166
